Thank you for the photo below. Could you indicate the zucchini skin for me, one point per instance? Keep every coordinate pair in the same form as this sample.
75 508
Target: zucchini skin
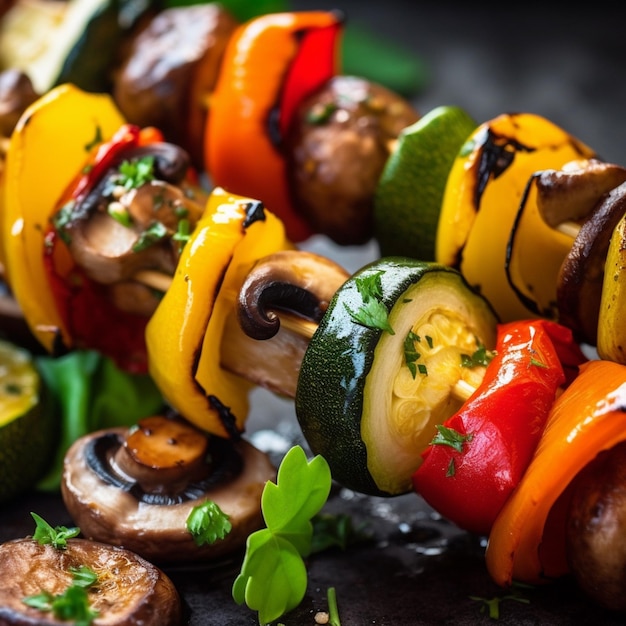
330 392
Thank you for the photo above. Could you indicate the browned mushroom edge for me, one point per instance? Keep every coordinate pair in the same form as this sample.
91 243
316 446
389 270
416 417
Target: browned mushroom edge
136 487
579 286
292 282
280 304
112 252
170 70
336 147
129 590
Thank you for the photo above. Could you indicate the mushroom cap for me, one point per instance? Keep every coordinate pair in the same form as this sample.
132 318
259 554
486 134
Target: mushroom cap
158 532
130 590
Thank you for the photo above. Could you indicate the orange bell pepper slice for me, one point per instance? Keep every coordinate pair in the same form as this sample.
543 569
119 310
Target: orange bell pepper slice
527 540
269 65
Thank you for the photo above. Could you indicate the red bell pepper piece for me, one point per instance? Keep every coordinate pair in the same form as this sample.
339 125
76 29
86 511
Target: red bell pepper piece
480 454
93 320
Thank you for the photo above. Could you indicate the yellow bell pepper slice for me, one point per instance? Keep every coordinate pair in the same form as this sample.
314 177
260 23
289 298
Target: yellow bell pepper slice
49 145
611 343
184 336
533 276
483 193
527 540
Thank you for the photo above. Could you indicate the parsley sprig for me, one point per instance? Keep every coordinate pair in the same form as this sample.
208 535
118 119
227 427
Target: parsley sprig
372 313
273 577
481 356
135 173
73 603
207 523
57 536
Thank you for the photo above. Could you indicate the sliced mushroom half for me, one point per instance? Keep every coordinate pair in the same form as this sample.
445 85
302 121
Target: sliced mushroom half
280 305
579 286
567 195
127 591
136 487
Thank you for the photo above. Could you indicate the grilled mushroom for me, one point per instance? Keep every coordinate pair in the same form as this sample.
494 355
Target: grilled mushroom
280 304
127 591
336 147
136 487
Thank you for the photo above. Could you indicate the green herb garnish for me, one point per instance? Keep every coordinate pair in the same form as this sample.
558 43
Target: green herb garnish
83 576
62 219
207 523
153 234
491 606
97 140
333 610
370 286
335 531
119 213
183 234
73 603
273 577
57 536
372 313
449 437
481 356
135 173
411 355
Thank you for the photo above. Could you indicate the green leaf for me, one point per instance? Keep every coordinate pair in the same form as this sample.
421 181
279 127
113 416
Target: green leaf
73 604
336 531
481 357
157 231
300 491
372 314
57 536
273 576
91 393
41 601
83 576
207 523
449 437
135 173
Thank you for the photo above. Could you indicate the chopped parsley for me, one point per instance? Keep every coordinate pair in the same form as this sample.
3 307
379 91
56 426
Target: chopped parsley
207 523
372 313
449 437
156 232
481 356
135 173
411 355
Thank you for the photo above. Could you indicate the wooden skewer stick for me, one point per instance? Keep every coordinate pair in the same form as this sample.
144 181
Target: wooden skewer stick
160 281
154 279
571 229
462 390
